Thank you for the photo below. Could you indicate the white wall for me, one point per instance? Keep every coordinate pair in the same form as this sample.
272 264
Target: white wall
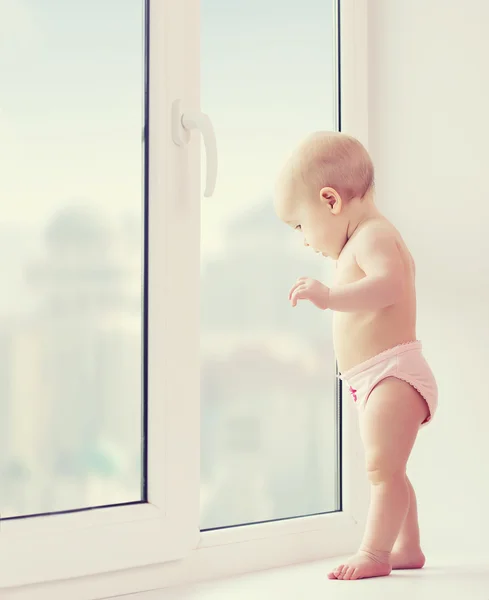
429 137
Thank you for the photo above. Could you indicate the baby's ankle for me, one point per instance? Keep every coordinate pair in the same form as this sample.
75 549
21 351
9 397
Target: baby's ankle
406 546
378 556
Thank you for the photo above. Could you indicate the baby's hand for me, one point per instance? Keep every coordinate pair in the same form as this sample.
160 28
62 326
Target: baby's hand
310 289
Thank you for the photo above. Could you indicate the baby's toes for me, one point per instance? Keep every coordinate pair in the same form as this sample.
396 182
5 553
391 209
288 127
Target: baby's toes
349 573
342 571
335 574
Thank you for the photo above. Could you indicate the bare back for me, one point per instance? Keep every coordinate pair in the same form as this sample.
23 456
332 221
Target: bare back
359 336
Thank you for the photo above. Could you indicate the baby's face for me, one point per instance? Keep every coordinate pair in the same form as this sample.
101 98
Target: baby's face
314 218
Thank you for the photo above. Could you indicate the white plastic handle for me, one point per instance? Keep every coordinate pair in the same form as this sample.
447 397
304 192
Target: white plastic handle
182 124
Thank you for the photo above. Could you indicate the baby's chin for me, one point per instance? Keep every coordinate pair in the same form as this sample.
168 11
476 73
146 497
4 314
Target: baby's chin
321 253
330 255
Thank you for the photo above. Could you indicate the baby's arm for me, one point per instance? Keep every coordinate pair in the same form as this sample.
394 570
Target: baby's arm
378 255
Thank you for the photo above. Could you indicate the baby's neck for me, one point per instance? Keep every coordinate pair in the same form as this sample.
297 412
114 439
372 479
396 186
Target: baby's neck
361 211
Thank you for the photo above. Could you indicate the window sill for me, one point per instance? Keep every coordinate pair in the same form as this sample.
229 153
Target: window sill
221 554
448 579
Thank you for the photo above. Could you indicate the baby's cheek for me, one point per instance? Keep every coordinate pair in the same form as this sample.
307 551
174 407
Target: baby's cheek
324 241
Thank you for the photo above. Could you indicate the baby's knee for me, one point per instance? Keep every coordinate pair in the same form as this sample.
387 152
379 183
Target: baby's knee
382 470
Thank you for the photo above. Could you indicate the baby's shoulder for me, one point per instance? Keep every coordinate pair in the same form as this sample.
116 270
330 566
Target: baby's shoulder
376 230
381 233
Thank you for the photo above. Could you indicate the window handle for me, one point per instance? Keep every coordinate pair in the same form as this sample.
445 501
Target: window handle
183 121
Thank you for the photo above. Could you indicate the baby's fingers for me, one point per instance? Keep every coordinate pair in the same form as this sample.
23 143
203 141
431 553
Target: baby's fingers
298 283
299 293
293 288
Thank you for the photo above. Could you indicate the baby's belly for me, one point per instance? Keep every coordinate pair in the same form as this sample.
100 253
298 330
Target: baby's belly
359 336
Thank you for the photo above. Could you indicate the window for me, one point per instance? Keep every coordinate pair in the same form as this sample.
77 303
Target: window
101 412
71 408
118 320
270 416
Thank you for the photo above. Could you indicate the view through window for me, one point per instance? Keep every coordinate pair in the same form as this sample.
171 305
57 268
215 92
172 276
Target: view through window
270 414
71 116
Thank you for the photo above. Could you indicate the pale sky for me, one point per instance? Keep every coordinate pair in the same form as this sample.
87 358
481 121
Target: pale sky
70 107
71 112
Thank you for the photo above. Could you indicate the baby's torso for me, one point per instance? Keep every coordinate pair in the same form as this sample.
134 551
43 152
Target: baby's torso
359 336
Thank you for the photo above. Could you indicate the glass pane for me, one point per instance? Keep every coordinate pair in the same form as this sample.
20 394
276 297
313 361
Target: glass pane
269 408
71 115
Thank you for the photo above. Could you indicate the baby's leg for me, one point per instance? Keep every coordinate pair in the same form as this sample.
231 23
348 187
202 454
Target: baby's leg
407 553
389 426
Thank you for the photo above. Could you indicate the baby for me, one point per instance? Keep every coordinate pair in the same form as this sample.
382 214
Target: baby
327 193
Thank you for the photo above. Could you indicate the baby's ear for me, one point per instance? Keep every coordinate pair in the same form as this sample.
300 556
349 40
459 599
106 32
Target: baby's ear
331 197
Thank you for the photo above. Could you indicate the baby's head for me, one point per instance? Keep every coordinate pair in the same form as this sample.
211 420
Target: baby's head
323 188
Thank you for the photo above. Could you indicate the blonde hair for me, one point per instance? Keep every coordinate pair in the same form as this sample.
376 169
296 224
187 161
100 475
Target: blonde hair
336 160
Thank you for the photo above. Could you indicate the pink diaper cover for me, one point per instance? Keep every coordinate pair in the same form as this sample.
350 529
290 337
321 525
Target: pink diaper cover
405 362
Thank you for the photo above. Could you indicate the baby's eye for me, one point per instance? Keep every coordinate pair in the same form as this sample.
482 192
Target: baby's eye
298 227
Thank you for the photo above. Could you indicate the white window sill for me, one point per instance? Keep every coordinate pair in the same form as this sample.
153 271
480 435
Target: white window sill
448 579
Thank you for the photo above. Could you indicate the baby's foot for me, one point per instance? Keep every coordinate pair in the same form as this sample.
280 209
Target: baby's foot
361 566
407 558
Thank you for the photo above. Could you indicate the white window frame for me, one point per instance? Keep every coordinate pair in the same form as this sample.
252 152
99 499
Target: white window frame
165 528
121 550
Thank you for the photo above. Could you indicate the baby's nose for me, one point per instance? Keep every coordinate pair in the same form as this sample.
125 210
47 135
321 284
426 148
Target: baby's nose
305 243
